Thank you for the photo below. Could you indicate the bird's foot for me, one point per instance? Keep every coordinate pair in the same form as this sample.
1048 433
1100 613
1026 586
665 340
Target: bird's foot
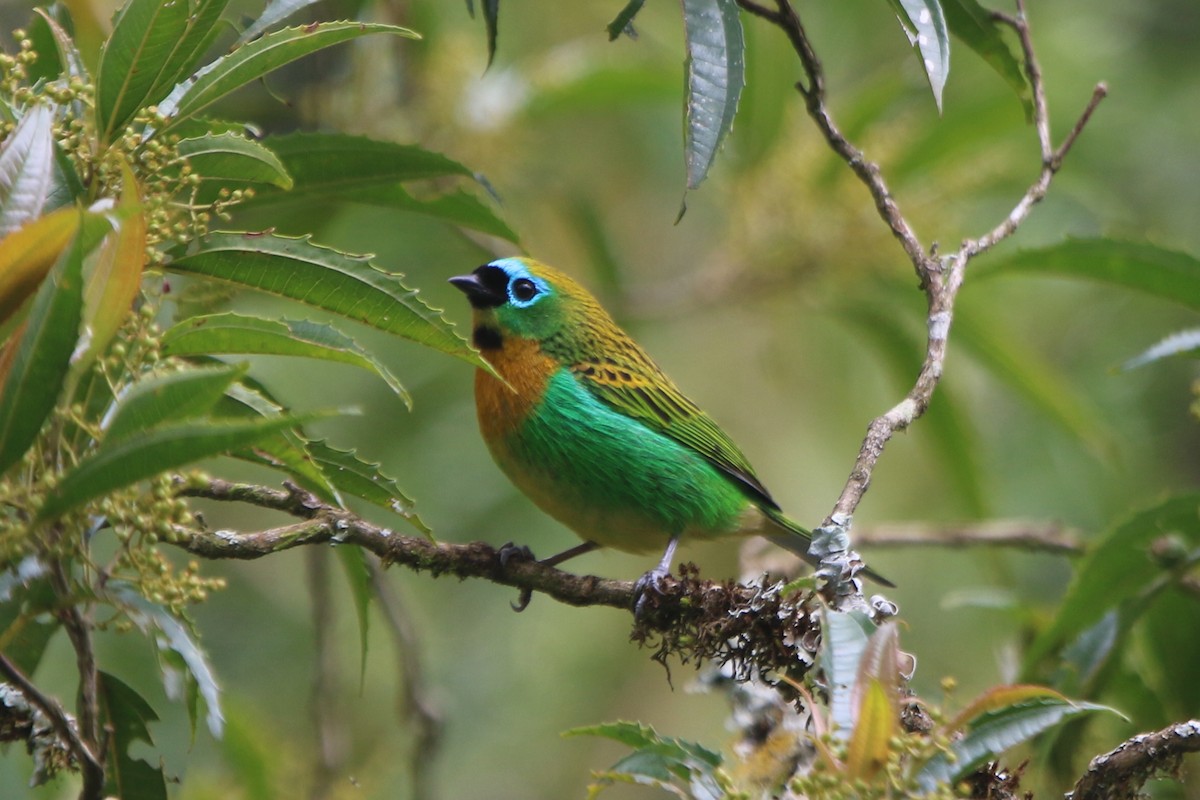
507 552
649 584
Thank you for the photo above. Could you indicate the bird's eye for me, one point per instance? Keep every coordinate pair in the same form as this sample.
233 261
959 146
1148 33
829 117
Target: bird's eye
524 289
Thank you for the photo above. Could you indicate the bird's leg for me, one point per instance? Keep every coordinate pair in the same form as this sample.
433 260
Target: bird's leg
652 580
510 551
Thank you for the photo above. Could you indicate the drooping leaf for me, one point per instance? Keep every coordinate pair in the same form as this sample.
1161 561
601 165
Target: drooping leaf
27 255
672 764
26 169
1182 343
845 635
275 12
491 20
231 333
972 23
127 717
869 745
363 479
255 59
358 578
230 156
998 698
1169 274
43 354
153 46
168 397
995 731
116 277
715 76
1115 570
148 453
340 283
925 26
623 22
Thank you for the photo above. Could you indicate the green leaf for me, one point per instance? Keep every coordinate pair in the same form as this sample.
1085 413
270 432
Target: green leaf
1117 569
42 356
363 479
255 59
925 26
660 761
274 13
340 283
1183 343
27 620
229 156
1169 274
153 45
491 20
715 76
358 577
235 333
623 22
145 454
57 53
456 207
26 169
169 397
127 717
975 26
845 635
1027 372
28 255
995 731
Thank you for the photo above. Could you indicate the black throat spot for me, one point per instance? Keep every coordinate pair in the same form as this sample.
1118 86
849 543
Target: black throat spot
487 338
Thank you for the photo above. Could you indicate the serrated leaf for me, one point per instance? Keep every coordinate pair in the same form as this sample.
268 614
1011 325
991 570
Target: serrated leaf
996 731
1115 570
26 169
674 765
170 634
1169 274
116 278
27 255
230 156
255 59
975 26
127 717
1182 343
274 13
231 333
168 397
145 454
343 284
623 22
42 356
153 45
925 26
715 76
363 479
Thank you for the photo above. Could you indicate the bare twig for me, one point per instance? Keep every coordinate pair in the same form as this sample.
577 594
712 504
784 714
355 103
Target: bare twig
1119 774
1049 537
940 278
416 707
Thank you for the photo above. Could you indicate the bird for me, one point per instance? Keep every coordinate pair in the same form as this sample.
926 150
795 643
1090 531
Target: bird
580 418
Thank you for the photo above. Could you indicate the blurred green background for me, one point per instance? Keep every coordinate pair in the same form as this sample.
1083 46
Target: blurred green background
779 303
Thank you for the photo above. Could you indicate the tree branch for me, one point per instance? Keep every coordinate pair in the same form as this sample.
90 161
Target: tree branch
1119 774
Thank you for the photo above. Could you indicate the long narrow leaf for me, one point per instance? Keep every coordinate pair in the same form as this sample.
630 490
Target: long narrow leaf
127 717
925 26
978 29
148 453
1183 343
255 59
274 13
715 76
170 397
231 156
27 256
26 169
231 333
364 480
340 283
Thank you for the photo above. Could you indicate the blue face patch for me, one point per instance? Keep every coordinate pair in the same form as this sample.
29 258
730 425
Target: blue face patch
524 288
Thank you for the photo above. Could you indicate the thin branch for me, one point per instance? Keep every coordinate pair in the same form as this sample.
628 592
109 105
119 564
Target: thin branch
416 707
1119 774
63 726
1047 537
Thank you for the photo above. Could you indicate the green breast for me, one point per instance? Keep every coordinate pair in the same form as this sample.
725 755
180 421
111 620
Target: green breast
610 478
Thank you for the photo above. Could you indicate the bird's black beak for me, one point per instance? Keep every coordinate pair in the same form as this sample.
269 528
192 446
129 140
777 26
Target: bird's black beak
482 288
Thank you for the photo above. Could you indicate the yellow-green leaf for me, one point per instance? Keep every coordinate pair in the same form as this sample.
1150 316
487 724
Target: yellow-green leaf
26 256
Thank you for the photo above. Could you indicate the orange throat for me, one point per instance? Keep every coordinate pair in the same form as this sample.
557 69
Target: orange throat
503 407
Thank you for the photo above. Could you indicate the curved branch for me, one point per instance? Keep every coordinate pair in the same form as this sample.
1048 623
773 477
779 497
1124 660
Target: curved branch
1119 774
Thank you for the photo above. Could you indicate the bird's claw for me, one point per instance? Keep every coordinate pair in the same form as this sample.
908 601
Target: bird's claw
508 551
650 583
522 601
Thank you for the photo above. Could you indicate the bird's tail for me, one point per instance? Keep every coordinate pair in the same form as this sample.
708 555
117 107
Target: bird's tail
795 538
